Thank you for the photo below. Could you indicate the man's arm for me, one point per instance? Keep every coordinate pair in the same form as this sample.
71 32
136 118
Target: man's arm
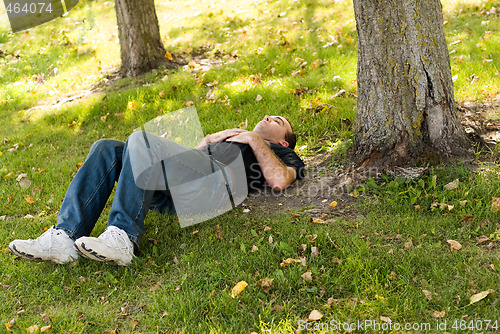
277 174
218 137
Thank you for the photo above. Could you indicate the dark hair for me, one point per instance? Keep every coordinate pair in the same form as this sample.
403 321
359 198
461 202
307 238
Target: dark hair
291 137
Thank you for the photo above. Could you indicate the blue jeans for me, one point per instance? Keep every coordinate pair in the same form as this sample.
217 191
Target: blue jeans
111 161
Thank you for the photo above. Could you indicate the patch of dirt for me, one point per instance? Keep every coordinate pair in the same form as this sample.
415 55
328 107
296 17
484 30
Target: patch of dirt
325 184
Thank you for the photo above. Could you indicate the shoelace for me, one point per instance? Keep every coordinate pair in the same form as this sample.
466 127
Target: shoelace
50 235
115 235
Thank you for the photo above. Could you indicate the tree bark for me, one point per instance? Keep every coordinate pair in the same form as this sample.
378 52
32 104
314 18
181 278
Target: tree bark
406 106
140 42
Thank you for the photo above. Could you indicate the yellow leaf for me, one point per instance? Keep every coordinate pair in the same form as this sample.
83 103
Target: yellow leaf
8 176
454 245
333 204
240 286
315 220
314 315
131 105
289 261
30 200
495 204
437 314
168 55
189 103
72 124
480 296
32 329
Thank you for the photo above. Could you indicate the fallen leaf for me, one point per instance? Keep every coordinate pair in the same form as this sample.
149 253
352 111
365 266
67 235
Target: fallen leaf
238 288
409 244
316 220
259 97
302 248
452 185
254 249
333 204
385 319
314 315
270 239
168 55
495 204
30 200
482 239
154 286
314 251
289 261
454 245
189 103
131 105
265 283
307 276
468 218
32 329
45 328
72 124
480 296
8 176
427 294
437 314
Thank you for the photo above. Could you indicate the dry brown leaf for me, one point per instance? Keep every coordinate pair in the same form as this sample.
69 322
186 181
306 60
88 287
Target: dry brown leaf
427 294
307 276
452 185
270 239
385 319
495 204
32 329
302 248
265 283
409 243
314 251
468 218
238 288
189 103
314 315
454 245
258 98
480 296
482 239
254 249
45 328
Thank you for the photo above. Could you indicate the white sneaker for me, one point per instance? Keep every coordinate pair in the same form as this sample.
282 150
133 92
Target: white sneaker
53 245
112 246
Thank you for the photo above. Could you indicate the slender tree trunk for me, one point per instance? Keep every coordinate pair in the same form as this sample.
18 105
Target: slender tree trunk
405 105
140 42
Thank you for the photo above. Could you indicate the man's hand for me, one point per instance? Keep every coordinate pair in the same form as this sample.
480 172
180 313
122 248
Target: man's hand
246 137
219 136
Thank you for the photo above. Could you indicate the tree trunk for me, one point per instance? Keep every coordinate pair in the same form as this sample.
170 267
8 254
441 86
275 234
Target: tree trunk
140 42
405 106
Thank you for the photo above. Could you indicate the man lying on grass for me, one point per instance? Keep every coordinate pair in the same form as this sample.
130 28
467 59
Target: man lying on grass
184 180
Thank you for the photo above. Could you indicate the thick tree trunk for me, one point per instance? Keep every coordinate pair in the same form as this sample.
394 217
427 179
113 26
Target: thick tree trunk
405 105
140 42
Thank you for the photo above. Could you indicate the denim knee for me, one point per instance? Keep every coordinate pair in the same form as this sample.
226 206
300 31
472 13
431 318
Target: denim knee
105 146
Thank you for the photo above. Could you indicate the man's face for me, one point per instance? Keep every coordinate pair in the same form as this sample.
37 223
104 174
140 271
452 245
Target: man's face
273 129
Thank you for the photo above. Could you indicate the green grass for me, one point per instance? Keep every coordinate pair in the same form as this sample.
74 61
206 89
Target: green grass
296 55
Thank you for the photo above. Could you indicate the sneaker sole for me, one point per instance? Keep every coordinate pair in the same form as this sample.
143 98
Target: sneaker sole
24 255
31 257
89 253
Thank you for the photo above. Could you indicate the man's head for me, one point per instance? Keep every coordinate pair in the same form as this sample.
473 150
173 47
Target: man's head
278 130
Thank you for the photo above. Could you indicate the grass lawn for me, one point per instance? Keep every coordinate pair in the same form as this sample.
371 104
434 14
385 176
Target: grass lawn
393 259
